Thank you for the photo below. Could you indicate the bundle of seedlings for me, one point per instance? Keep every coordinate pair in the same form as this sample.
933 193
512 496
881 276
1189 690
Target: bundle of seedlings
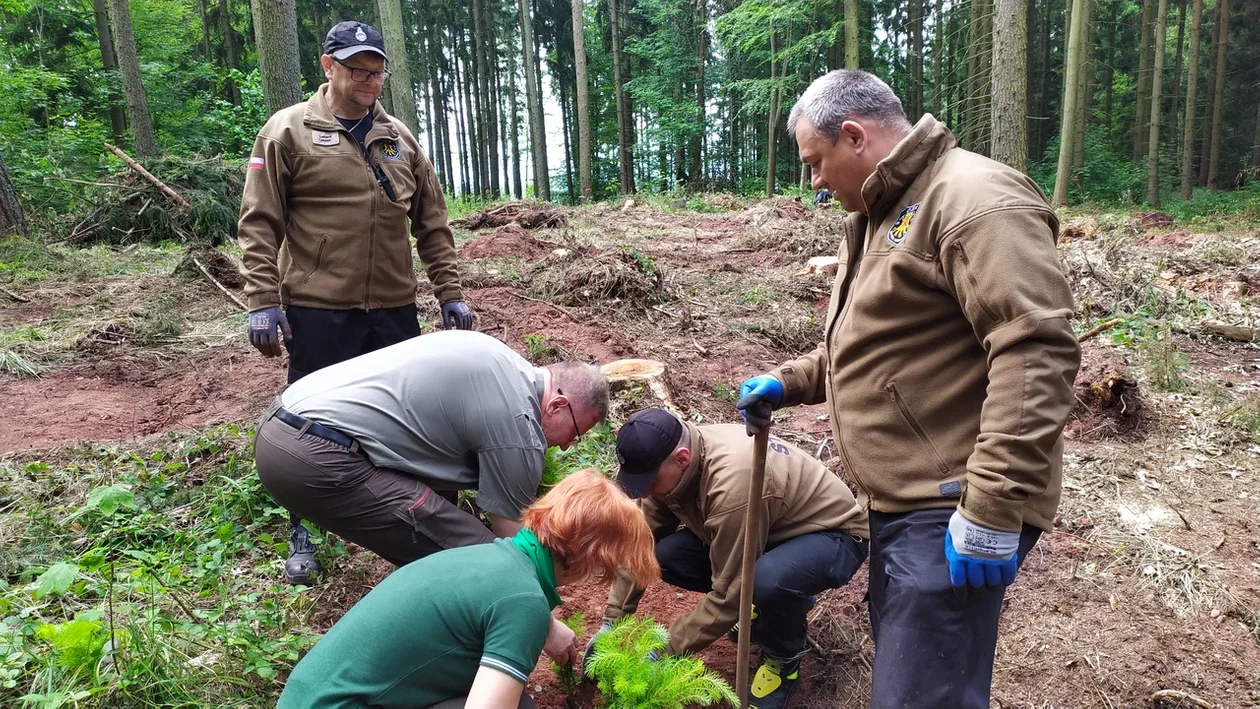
627 278
530 215
189 200
631 672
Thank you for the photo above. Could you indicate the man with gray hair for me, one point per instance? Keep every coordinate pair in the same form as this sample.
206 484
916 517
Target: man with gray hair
947 367
375 448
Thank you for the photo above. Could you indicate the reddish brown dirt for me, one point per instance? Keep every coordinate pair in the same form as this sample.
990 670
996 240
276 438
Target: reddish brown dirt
507 241
128 398
1109 405
1177 239
503 313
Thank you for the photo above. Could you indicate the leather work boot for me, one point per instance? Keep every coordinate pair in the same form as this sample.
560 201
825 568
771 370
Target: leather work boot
733 633
301 569
775 683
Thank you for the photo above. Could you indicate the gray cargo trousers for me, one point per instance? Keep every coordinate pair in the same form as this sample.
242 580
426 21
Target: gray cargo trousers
395 514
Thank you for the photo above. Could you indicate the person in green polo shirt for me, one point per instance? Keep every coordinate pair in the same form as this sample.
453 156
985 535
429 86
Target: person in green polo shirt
465 626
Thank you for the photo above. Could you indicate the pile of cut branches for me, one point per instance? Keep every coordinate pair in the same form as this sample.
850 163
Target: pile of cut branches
530 215
179 199
599 278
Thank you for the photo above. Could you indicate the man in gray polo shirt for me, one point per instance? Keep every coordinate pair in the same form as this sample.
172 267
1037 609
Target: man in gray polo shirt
376 447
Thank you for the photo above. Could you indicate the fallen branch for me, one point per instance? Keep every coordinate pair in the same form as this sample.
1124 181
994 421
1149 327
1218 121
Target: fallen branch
1231 332
206 272
14 296
83 182
1179 698
1101 328
566 312
172 194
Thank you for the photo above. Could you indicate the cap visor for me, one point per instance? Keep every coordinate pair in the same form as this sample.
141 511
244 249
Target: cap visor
351 51
636 485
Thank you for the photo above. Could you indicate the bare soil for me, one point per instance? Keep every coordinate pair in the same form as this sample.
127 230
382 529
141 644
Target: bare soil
1150 582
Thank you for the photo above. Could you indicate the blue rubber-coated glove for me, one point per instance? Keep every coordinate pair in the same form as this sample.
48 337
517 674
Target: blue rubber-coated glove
262 330
590 644
758 397
979 556
457 313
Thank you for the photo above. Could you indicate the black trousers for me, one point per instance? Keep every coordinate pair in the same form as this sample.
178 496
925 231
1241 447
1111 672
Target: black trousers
934 643
787 578
325 337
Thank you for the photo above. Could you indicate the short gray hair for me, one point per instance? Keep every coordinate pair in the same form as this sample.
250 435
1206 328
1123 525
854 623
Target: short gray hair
584 384
846 94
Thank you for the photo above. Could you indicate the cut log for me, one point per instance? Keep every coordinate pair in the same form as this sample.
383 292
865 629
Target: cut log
1230 332
649 371
822 266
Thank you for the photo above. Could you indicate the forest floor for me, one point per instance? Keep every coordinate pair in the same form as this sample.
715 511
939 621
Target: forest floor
129 390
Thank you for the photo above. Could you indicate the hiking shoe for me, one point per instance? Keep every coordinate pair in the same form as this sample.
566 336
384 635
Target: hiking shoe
775 683
301 569
733 633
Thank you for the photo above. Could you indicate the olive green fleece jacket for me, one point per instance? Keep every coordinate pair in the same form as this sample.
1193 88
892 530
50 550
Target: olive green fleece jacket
316 228
948 361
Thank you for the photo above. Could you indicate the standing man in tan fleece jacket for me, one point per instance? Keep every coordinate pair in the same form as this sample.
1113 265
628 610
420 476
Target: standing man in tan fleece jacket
693 481
947 367
334 188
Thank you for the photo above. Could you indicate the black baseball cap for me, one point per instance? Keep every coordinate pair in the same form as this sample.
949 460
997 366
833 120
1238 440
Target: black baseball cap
346 39
643 443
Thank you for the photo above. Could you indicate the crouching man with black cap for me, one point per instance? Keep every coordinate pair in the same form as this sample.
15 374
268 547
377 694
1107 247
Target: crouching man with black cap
813 537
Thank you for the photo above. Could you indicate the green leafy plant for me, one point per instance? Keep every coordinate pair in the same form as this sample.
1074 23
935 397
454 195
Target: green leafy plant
595 449
539 349
567 675
77 644
628 678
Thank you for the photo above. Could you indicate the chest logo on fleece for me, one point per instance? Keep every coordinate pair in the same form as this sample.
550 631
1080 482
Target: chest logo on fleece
389 148
897 232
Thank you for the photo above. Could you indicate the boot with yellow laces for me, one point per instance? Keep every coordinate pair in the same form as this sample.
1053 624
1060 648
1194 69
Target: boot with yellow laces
775 682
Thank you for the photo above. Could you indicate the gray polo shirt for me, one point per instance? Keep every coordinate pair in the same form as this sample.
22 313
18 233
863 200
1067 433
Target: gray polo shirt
457 408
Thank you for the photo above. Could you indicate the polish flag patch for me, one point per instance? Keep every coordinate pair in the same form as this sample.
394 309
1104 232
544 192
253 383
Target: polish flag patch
256 163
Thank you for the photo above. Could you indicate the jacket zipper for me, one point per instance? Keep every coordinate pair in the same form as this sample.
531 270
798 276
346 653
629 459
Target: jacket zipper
971 279
913 423
374 188
849 276
319 260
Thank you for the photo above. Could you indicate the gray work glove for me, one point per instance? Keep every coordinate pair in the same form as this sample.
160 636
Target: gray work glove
262 330
590 644
457 313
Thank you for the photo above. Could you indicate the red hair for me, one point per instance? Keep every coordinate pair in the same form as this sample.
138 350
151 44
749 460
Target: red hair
591 527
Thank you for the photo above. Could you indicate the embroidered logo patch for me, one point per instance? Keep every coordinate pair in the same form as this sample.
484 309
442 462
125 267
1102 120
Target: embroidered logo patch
897 232
389 148
324 137
953 488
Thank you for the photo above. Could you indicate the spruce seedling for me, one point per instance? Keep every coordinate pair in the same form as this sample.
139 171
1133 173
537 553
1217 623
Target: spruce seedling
628 678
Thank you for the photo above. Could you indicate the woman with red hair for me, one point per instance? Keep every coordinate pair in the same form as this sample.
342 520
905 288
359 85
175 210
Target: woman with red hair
464 627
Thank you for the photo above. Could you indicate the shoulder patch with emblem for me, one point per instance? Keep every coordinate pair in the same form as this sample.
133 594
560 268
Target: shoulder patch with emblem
325 137
897 232
389 148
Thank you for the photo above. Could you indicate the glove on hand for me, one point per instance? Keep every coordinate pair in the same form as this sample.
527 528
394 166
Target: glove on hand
262 330
590 644
457 313
758 397
979 556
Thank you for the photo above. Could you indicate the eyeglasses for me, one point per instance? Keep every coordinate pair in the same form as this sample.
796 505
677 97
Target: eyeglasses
364 75
577 430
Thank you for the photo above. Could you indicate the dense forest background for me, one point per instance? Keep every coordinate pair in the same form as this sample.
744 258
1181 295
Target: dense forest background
1121 100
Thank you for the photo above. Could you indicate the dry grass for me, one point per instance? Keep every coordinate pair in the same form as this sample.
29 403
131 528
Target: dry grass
614 278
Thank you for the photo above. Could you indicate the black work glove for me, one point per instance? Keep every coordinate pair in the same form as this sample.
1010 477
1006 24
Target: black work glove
458 314
262 330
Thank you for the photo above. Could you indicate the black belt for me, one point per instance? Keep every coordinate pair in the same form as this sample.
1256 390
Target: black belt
319 430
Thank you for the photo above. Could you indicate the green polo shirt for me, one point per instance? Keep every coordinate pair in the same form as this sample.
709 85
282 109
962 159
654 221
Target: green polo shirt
419 637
